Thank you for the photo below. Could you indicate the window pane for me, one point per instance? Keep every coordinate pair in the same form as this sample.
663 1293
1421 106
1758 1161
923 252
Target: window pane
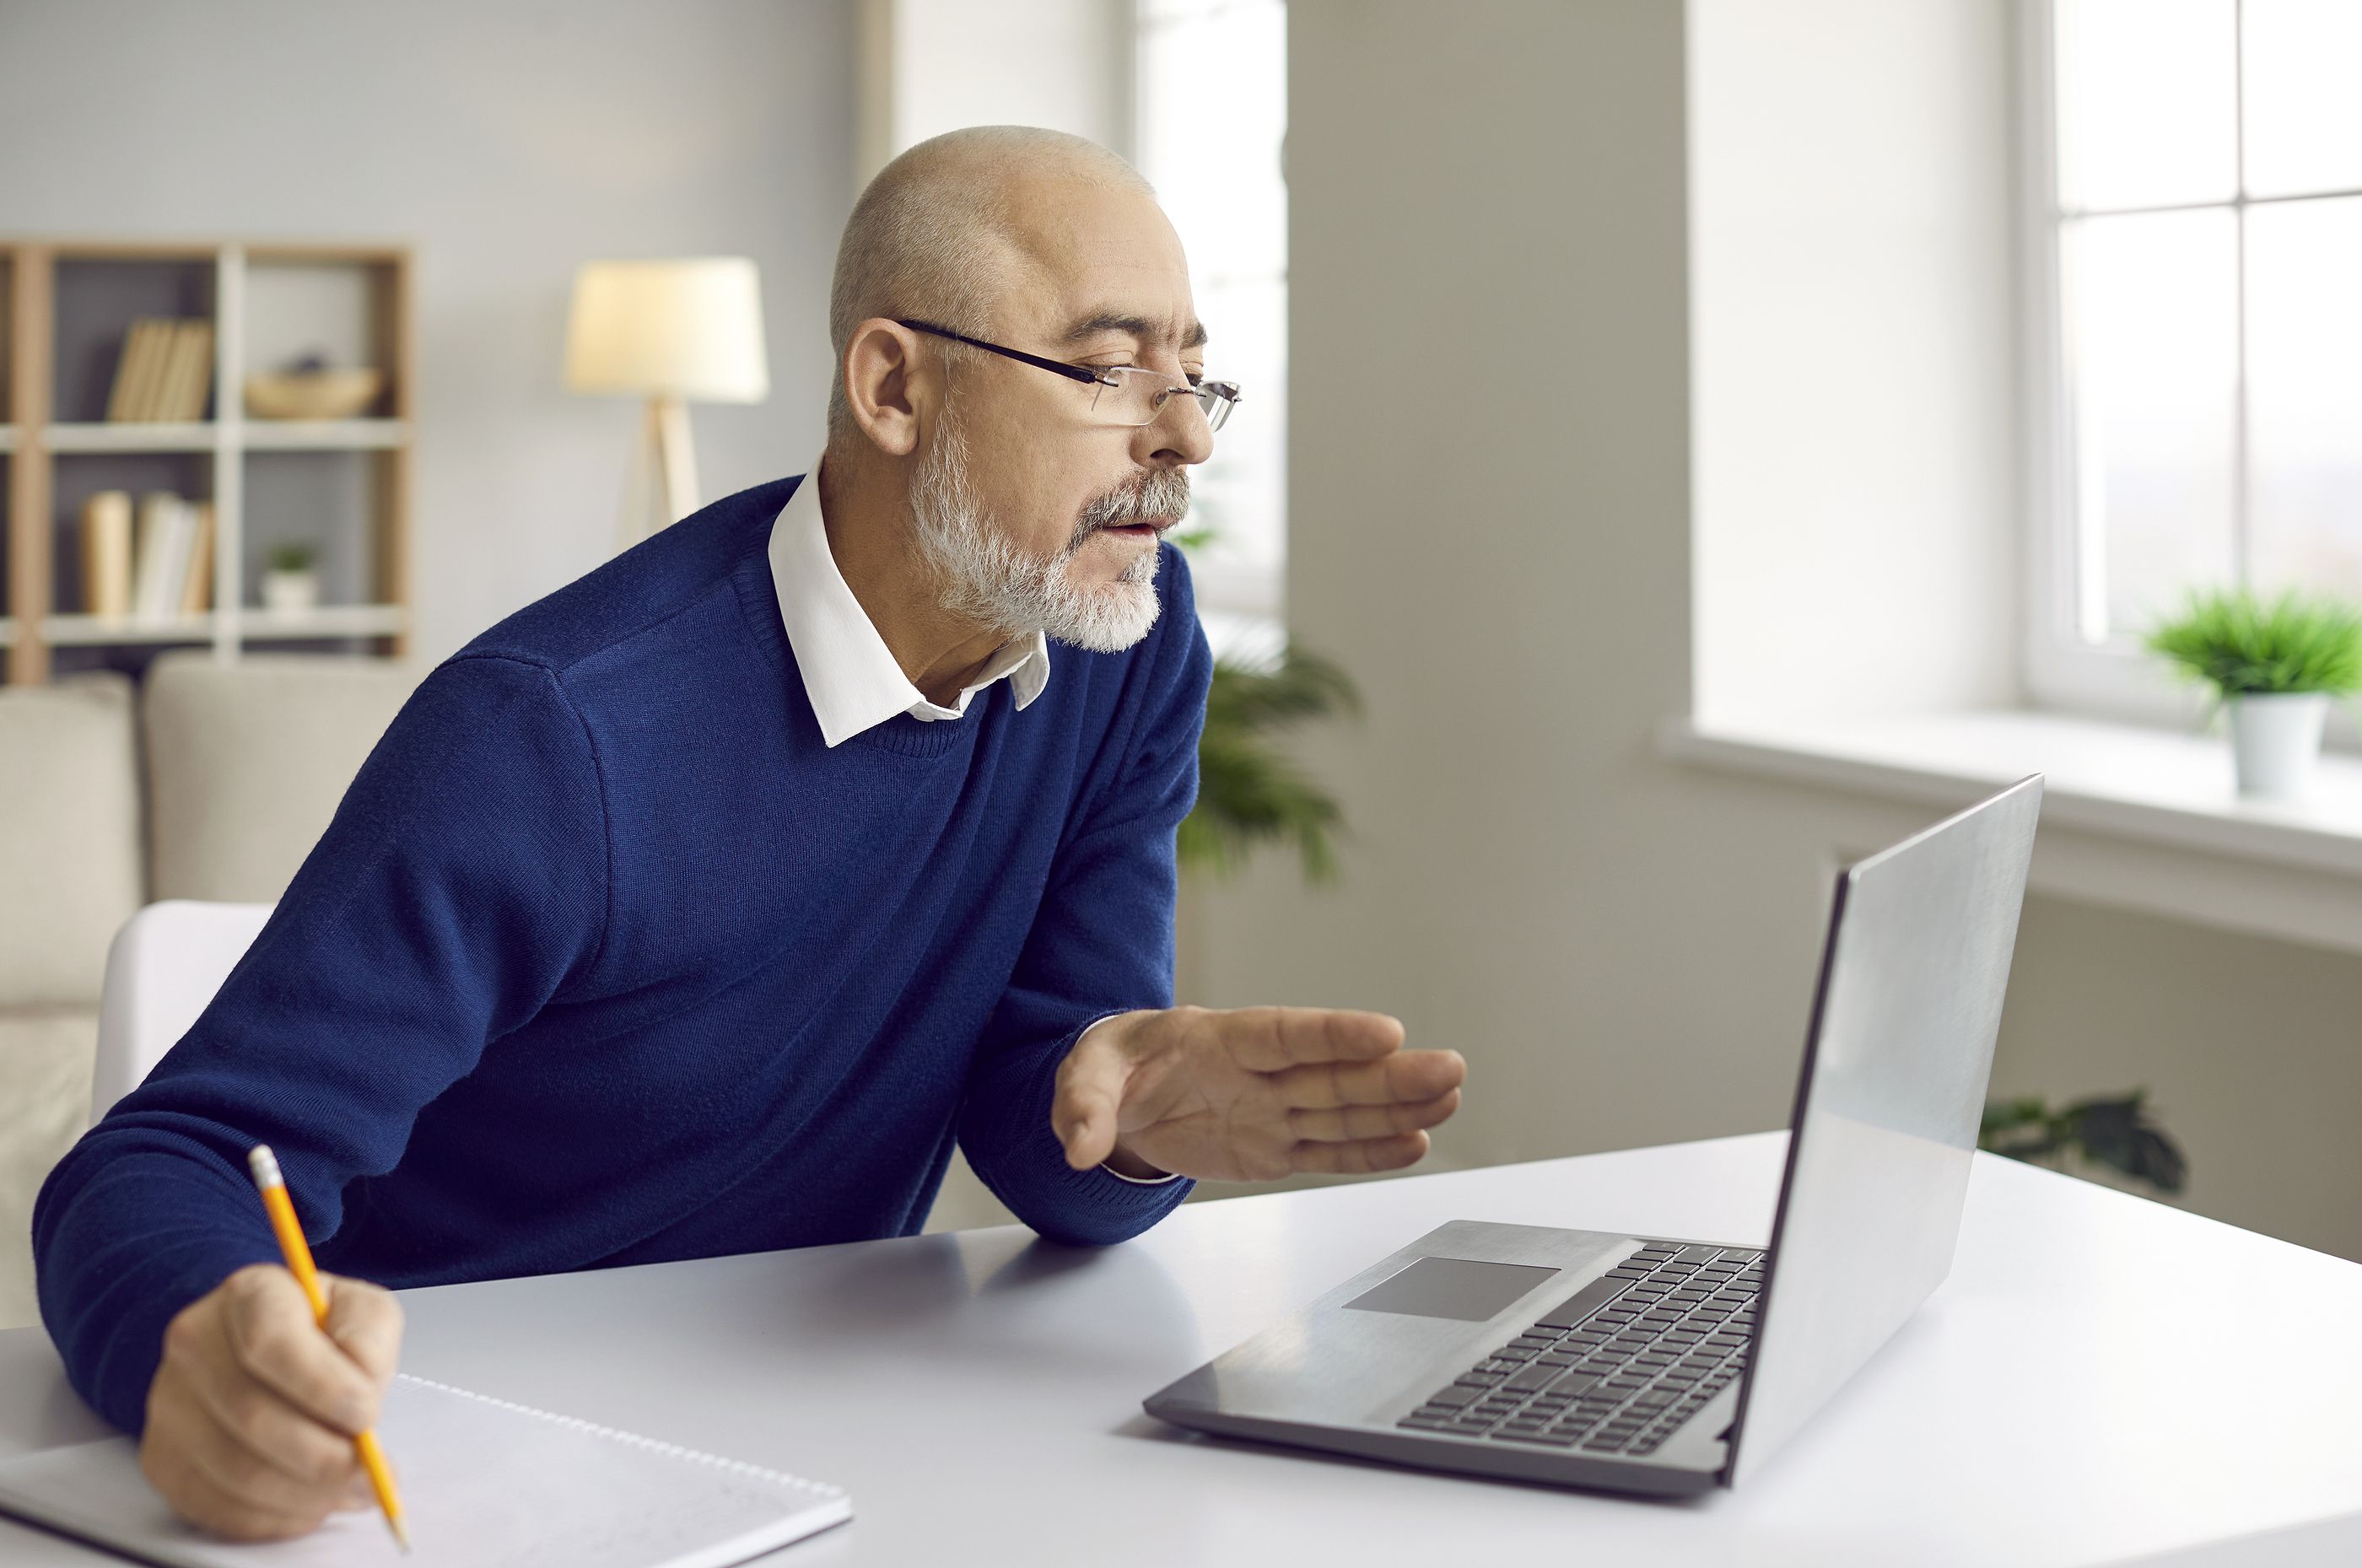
2152 366
2146 102
2304 95
1211 108
2304 394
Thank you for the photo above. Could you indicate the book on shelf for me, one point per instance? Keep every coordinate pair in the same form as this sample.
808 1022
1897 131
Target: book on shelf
168 554
107 554
197 581
194 363
163 371
131 370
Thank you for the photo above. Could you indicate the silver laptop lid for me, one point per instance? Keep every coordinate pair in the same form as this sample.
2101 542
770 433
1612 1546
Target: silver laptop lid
1896 1061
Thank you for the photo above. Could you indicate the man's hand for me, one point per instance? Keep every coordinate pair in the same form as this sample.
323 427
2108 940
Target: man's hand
1252 1094
252 1414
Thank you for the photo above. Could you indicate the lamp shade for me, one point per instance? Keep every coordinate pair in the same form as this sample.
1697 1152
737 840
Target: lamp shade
685 328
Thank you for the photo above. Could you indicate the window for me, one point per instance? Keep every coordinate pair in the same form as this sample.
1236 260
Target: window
1210 105
2195 272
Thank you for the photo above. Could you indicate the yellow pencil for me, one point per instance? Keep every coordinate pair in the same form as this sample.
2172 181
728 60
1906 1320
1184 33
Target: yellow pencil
265 1167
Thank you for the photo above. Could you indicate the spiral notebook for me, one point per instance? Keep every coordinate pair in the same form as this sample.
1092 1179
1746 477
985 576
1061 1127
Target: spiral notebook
483 1483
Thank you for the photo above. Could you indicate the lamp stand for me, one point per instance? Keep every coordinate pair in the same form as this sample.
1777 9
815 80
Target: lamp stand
661 488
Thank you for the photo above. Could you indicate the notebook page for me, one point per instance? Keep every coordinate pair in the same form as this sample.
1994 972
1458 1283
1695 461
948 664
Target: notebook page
484 1483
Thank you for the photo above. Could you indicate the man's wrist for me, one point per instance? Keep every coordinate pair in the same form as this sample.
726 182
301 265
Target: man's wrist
1122 1163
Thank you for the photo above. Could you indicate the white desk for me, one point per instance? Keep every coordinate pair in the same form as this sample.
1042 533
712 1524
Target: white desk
2099 1381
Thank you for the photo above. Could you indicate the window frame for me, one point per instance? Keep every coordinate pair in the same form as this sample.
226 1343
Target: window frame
2059 668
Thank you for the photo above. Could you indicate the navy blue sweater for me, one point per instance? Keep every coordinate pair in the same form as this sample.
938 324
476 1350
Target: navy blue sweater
606 959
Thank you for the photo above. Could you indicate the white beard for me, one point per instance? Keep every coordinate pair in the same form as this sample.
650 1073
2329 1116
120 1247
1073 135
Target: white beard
984 578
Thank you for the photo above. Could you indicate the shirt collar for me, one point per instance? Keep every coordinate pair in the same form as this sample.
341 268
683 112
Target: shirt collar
849 673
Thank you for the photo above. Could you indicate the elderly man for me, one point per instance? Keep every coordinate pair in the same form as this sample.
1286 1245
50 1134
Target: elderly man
701 906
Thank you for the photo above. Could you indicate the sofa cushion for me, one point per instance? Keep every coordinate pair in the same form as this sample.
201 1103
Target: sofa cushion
248 760
70 858
45 1061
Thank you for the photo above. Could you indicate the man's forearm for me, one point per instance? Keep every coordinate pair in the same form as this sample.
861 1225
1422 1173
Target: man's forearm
128 1230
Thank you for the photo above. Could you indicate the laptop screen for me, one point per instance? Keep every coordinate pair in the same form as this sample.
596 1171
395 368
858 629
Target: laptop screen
1896 1060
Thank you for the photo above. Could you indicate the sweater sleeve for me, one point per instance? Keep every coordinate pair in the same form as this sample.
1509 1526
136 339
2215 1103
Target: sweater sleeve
1101 943
461 881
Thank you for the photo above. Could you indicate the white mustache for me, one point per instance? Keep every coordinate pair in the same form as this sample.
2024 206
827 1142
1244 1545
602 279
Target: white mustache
1160 502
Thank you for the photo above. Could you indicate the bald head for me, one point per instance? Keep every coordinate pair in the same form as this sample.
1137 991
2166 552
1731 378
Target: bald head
944 230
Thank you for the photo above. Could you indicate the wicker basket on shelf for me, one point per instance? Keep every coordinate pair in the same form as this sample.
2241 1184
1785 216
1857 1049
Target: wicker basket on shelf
311 395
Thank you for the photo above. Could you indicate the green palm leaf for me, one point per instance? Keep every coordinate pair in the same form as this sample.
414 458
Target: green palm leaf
1250 793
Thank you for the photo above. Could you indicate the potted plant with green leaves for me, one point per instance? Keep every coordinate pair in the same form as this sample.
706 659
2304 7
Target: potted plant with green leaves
1249 792
290 582
2113 1132
2274 665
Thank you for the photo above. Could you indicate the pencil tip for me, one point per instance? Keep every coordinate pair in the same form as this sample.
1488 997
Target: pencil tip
401 1536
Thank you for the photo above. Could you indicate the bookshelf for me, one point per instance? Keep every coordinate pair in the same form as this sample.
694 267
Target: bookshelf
342 485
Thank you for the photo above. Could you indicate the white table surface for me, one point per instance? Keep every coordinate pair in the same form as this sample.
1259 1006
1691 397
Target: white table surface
2101 1380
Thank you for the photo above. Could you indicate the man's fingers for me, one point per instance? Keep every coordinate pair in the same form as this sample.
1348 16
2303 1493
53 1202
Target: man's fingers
217 1482
1090 1089
1362 1156
272 1334
366 1322
205 1503
1270 1039
1401 1077
229 1462
1343 1123
253 1417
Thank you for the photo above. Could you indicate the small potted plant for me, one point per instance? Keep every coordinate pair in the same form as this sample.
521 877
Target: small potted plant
2274 665
289 582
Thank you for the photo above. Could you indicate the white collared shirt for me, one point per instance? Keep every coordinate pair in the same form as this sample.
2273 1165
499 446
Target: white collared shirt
850 675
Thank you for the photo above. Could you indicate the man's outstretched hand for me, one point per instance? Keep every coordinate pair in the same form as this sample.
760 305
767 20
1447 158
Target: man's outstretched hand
1251 1094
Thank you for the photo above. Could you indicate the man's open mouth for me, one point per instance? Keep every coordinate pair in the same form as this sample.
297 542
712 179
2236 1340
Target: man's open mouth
1146 528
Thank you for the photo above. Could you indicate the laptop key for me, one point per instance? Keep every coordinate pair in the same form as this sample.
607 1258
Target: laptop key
1582 1304
1454 1397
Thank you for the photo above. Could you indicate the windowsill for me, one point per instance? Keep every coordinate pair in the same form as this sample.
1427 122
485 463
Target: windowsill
2136 817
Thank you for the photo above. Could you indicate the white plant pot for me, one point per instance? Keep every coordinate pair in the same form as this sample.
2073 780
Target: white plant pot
291 590
2276 742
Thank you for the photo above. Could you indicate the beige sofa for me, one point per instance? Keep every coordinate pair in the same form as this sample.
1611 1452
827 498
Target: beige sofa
213 781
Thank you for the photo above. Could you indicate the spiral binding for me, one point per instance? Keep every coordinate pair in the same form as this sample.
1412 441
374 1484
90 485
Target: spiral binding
673 1450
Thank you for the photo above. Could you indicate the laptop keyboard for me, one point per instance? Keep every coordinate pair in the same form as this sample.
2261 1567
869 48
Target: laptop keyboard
1618 1366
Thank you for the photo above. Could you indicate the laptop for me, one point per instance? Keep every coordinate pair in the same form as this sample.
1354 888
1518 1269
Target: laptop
1666 1365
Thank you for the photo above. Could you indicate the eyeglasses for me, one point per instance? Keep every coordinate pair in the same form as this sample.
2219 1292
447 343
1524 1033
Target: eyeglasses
1121 394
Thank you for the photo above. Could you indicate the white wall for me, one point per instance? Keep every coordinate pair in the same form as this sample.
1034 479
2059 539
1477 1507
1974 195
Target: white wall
1488 202
1489 520
506 141
1853 444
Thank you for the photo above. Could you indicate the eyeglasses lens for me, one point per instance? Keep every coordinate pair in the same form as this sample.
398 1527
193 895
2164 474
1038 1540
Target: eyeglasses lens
1135 399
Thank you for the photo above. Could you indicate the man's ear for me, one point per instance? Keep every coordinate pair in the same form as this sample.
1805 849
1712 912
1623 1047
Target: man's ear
885 381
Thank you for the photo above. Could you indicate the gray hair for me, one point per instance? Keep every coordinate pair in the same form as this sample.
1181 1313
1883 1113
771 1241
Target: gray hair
932 234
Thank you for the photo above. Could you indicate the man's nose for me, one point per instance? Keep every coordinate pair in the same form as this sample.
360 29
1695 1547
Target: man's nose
1179 433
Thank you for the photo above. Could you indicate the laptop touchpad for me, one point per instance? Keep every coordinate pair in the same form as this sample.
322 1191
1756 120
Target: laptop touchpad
1451 1287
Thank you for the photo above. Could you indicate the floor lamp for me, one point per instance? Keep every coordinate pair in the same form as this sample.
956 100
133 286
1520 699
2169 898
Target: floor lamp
670 332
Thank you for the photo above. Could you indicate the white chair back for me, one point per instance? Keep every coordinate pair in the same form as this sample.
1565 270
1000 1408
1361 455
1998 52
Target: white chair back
163 966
